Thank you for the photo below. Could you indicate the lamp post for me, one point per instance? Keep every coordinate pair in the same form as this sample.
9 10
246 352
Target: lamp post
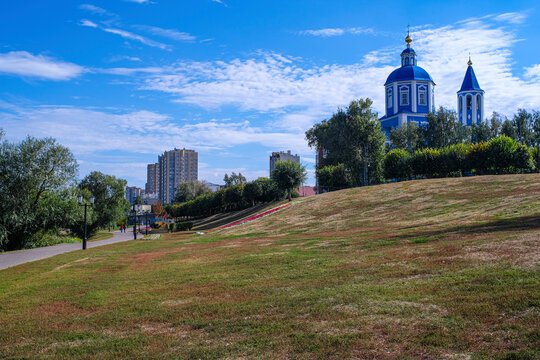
146 221
80 199
134 223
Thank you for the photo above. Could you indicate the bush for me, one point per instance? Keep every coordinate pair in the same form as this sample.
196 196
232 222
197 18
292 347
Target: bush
398 164
536 157
477 160
501 154
333 177
425 162
181 226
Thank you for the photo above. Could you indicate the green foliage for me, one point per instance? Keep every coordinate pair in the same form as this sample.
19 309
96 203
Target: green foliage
289 175
408 136
189 190
110 204
34 189
234 179
253 191
227 199
444 129
398 164
139 200
480 132
500 155
181 226
535 153
352 137
333 177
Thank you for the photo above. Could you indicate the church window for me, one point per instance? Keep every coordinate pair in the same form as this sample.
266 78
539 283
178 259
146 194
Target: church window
389 98
422 96
469 102
406 61
478 101
404 93
460 103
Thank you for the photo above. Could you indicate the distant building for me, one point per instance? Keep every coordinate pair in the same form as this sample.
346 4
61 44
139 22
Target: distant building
306 191
282 156
132 192
175 167
152 179
214 187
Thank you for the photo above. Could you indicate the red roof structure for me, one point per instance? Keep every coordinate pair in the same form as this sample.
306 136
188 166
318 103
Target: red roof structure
306 191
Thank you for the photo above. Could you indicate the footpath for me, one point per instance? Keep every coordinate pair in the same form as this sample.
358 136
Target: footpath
14 258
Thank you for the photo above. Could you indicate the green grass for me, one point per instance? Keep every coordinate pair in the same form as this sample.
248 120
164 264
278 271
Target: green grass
396 271
101 236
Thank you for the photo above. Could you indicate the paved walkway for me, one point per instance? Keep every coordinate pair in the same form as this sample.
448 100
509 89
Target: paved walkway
14 258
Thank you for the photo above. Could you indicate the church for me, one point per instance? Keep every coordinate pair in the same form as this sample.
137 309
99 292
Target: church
410 94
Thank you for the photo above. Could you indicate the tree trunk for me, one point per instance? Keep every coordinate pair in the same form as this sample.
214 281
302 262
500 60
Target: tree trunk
290 195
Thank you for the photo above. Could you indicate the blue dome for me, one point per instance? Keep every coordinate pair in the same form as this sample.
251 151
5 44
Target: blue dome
408 51
408 73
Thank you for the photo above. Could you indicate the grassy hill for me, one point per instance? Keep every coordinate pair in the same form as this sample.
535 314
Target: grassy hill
431 269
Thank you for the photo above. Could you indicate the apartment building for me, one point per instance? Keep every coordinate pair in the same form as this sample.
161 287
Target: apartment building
282 156
152 179
175 167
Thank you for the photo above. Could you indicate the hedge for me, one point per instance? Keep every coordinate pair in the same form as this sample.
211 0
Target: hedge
501 155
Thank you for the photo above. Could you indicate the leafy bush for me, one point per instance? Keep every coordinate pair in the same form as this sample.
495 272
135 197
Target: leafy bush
398 164
333 177
181 226
426 162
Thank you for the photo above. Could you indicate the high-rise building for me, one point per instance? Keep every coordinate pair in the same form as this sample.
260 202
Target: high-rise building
132 192
282 156
175 167
152 179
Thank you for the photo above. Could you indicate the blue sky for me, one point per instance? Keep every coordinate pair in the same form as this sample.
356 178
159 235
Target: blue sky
120 81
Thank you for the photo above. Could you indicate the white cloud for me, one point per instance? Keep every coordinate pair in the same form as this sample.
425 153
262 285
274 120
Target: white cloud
328 32
297 94
38 66
88 23
92 133
532 72
139 1
169 33
131 36
512 17
94 9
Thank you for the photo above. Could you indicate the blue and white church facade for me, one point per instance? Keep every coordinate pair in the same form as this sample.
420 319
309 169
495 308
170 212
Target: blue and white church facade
410 94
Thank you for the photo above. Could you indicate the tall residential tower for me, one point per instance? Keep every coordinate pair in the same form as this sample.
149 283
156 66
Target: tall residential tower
175 167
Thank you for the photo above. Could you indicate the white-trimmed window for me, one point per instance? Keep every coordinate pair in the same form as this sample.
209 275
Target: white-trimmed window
422 99
460 103
478 102
469 102
389 101
404 96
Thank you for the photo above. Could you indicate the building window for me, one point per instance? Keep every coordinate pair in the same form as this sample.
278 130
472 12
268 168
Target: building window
404 96
389 98
460 103
422 96
469 102
406 61
478 101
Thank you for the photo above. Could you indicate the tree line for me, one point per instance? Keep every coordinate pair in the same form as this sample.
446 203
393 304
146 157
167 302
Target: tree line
194 199
39 191
354 150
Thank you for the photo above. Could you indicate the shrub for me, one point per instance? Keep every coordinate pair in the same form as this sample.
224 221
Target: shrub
333 177
398 164
535 152
501 154
183 226
477 160
425 162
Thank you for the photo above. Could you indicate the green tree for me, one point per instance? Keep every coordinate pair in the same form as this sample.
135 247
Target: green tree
139 200
398 164
333 177
35 176
289 175
508 129
189 190
444 129
495 124
352 137
522 122
234 179
480 132
109 206
253 191
536 128
407 136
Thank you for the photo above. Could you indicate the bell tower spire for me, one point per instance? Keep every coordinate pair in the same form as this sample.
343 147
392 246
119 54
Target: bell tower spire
470 98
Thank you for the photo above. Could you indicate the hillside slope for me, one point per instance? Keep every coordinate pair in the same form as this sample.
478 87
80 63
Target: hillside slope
441 268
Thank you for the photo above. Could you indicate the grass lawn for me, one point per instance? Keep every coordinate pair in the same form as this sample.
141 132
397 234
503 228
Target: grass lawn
101 236
431 269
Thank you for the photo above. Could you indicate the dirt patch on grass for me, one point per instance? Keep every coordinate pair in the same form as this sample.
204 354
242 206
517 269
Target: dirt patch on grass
146 256
60 308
